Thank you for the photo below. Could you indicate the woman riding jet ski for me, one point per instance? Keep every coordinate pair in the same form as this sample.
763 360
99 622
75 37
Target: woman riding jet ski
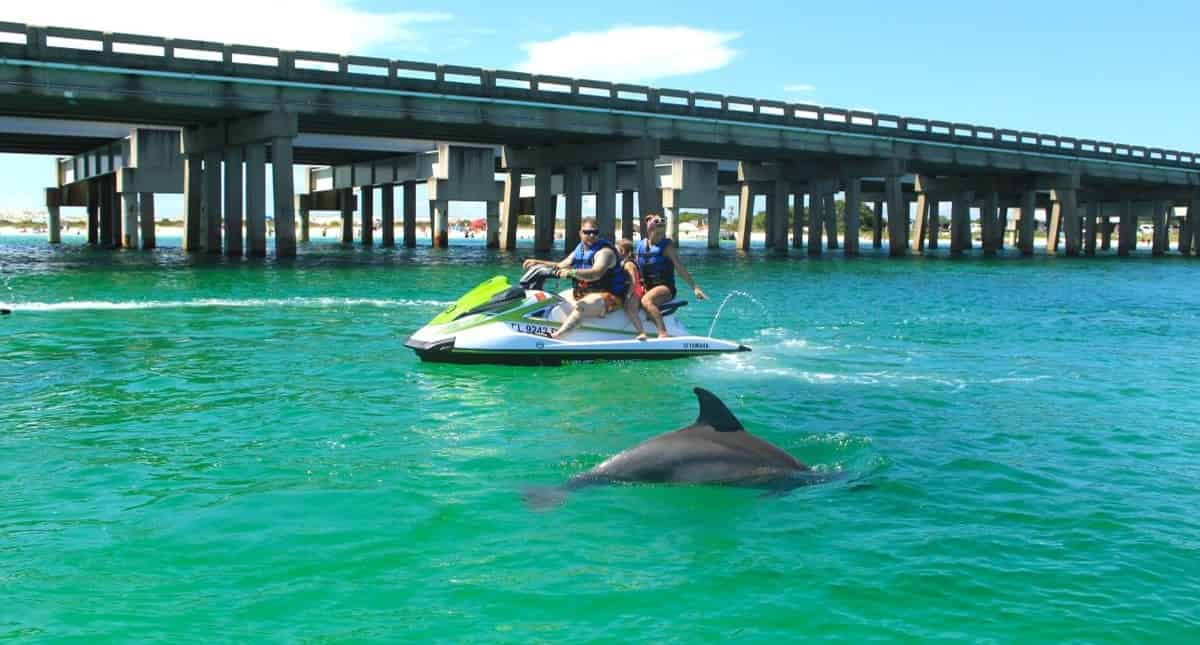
499 323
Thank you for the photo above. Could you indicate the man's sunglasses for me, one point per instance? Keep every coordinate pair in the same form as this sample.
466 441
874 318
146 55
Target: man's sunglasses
590 231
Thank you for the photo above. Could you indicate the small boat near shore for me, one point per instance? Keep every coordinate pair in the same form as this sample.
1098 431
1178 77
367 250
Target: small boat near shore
497 322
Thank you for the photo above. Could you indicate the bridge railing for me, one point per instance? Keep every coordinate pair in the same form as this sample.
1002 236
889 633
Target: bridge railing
87 47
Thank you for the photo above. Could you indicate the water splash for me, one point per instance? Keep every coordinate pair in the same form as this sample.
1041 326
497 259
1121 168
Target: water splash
735 292
101 305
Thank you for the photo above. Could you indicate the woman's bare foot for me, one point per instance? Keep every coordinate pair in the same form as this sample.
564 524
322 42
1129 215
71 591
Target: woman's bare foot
663 334
641 336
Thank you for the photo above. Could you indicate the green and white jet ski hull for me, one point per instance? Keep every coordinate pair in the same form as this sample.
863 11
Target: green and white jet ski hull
496 323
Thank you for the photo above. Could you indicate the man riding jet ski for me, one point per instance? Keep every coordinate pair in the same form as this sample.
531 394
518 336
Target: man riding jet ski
599 286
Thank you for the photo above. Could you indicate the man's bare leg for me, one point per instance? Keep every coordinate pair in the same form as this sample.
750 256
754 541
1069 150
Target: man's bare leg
589 306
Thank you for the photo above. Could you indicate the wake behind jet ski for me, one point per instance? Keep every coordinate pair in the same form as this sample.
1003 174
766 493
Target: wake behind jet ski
497 322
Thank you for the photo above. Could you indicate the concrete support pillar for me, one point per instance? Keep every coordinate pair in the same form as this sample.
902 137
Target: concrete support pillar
573 188
53 224
830 203
989 218
193 203
777 213
1127 241
714 224
628 216
745 217
387 214
233 202
1185 230
285 197
897 218
212 202
769 218
1159 245
1106 230
877 230
853 204
118 217
1054 223
439 212
346 205
960 224
492 213
606 199
305 214
510 210
543 210
53 198
831 235
129 235
409 214
1193 219
934 225
1089 227
146 217
649 193
798 219
93 212
256 200
1002 227
920 223
1070 222
366 212
816 219
106 213
672 217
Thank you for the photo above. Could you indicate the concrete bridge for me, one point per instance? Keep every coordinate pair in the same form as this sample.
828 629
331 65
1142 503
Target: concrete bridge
210 115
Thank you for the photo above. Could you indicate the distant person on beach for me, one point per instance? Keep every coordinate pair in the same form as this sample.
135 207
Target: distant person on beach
599 284
633 278
658 261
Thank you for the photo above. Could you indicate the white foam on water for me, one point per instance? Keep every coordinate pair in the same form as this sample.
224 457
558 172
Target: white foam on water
223 303
1019 379
745 365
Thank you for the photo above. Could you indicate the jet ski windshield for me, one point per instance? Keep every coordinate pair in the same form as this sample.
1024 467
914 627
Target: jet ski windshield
496 302
536 276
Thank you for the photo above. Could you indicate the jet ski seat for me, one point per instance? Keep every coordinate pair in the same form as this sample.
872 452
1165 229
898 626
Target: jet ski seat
668 308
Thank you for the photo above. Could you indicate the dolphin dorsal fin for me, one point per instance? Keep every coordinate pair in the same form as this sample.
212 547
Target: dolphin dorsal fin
714 413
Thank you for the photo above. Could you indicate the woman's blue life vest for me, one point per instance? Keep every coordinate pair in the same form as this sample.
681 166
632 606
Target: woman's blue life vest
655 266
613 280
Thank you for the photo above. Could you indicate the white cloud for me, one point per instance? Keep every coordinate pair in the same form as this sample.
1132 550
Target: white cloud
631 54
321 25
799 88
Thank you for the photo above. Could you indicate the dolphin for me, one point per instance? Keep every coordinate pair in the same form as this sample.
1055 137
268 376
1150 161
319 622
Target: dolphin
715 449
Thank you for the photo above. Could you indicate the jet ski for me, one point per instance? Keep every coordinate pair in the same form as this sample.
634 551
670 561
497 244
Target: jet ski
497 322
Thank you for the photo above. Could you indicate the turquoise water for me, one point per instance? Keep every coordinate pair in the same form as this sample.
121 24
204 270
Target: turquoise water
199 450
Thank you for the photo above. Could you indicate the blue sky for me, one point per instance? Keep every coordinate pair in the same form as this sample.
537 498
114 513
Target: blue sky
1125 72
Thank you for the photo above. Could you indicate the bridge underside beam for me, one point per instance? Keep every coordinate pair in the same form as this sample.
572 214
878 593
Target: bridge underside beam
588 154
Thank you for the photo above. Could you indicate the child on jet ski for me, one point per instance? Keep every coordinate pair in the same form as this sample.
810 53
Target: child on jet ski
633 299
